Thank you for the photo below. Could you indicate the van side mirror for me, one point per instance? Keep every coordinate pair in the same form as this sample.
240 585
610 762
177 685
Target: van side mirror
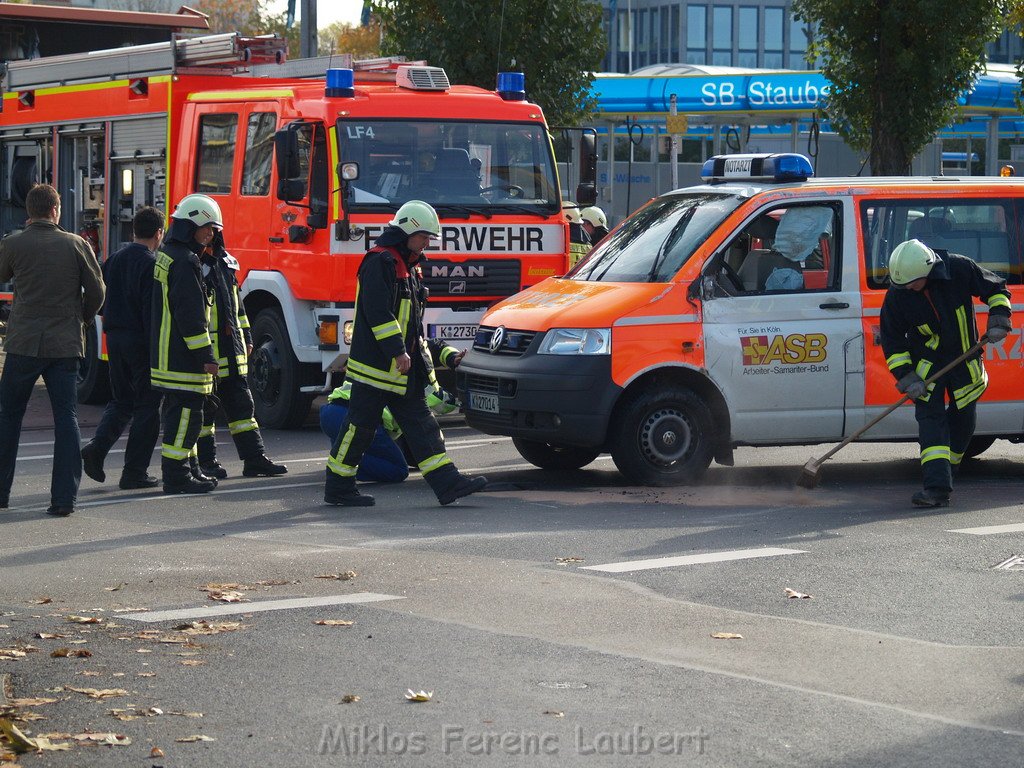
588 158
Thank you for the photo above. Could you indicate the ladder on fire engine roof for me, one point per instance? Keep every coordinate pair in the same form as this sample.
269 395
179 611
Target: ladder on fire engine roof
382 69
224 53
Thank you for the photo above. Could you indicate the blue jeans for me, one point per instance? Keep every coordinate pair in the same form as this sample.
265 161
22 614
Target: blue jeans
60 375
383 461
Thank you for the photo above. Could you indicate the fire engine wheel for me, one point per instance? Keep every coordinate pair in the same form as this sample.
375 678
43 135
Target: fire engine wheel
547 456
978 446
275 375
93 380
662 437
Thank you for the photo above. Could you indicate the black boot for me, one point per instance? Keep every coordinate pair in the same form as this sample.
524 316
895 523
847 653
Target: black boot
197 472
133 481
92 462
178 478
213 469
449 484
930 497
262 466
342 492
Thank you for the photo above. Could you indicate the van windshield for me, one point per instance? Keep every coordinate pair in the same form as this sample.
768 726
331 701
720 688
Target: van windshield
656 241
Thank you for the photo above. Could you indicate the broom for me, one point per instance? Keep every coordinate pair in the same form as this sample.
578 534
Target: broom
811 472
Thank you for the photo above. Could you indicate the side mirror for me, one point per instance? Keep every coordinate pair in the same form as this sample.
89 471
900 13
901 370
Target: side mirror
289 171
588 160
586 194
290 189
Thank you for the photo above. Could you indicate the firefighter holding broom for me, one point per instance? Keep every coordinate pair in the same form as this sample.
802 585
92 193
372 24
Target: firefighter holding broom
927 322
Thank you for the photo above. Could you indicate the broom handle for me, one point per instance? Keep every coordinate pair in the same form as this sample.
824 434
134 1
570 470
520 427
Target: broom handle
930 380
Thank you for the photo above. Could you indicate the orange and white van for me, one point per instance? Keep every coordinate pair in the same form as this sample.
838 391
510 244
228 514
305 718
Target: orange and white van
744 311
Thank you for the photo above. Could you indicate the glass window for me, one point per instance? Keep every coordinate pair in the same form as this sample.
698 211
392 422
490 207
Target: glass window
656 241
696 57
797 36
259 153
772 60
666 33
773 30
641 30
696 27
747 59
674 34
748 29
721 28
216 153
721 58
624 36
469 165
987 231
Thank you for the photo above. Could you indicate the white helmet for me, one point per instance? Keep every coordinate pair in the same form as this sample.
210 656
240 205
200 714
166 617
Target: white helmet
572 212
200 210
594 216
911 260
417 216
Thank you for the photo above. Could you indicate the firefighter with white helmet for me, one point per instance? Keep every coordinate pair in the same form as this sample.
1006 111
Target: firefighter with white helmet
579 240
182 363
595 223
390 364
927 321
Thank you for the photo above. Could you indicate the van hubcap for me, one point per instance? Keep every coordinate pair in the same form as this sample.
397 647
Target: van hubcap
665 436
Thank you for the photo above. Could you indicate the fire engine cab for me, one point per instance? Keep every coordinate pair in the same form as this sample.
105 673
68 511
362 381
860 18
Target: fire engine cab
308 163
744 311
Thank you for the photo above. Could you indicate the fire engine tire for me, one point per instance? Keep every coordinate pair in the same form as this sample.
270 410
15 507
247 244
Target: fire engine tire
978 446
547 456
275 375
662 436
93 381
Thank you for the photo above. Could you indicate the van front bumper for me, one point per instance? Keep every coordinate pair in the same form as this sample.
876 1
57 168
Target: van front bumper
558 399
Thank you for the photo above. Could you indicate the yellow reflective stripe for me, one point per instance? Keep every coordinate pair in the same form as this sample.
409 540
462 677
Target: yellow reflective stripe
935 452
922 369
968 394
170 452
202 389
376 383
367 370
404 310
961 321
179 375
390 425
386 330
334 462
446 355
343 470
179 440
214 337
998 300
955 458
198 341
932 342
165 329
899 359
434 462
242 425
207 431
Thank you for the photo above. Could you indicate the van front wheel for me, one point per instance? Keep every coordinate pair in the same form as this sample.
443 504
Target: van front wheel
548 456
663 437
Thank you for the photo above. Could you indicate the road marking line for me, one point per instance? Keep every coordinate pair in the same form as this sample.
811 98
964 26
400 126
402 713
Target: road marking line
710 557
50 456
263 605
985 530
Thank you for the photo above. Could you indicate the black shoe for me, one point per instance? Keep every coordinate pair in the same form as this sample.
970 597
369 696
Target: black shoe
56 510
213 469
262 466
92 463
137 482
349 499
189 484
199 476
464 486
930 498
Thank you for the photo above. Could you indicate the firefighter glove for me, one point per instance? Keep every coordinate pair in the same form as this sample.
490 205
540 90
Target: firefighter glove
998 327
912 386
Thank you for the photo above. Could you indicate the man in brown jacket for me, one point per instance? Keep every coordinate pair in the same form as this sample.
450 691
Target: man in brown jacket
58 290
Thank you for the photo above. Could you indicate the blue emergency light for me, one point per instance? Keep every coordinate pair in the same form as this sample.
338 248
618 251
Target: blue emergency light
340 83
512 86
763 167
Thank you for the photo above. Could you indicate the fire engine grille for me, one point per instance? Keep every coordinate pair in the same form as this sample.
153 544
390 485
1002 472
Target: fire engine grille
514 343
458 279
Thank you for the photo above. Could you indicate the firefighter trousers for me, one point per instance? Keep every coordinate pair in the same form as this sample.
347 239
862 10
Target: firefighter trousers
182 416
235 400
944 432
419 428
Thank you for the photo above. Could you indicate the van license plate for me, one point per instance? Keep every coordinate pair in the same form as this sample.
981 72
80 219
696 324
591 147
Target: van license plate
452 332
486 403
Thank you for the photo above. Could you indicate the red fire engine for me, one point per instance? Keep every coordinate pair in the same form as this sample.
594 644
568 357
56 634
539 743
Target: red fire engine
308 164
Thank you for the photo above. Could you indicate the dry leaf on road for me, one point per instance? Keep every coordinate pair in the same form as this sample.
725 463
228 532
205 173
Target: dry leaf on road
191 739
108 739
31 702
726 636
85 619
204 627
41 601
156 752
334 623
98 693
412 695
567 560
553 713
794 593
49 635
349 698
76 653
228 596
274 582
344 576
117 588
19 742
191 662
226 586
12 653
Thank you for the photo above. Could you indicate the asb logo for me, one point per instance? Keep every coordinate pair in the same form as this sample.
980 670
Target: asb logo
794 348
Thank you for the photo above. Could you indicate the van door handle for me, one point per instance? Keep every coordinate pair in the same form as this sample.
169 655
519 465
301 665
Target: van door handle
834 305
277 239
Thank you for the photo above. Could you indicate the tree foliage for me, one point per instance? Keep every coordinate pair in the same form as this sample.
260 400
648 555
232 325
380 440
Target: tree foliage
339 37
897 68
556 44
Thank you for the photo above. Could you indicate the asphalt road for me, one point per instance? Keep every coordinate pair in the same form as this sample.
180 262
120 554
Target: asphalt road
525 612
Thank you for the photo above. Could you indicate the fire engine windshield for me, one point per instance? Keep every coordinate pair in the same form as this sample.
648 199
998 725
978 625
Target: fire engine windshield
458 167
656 241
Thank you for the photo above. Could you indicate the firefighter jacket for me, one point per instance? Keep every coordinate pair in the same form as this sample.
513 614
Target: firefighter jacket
579 244
180 342
229 325
922 331
390 298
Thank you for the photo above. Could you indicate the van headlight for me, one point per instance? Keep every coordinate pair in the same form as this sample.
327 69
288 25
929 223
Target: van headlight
577 341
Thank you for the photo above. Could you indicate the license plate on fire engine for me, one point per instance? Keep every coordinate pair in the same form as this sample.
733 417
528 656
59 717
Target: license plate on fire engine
486 403
452 332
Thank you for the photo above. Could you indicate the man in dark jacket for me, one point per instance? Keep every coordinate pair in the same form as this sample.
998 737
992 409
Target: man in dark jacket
58 290
927 321
232 345
126 323
182 364
390 365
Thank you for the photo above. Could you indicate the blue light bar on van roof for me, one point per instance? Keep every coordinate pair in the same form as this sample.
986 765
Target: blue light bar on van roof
340 83
765 167
512 86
